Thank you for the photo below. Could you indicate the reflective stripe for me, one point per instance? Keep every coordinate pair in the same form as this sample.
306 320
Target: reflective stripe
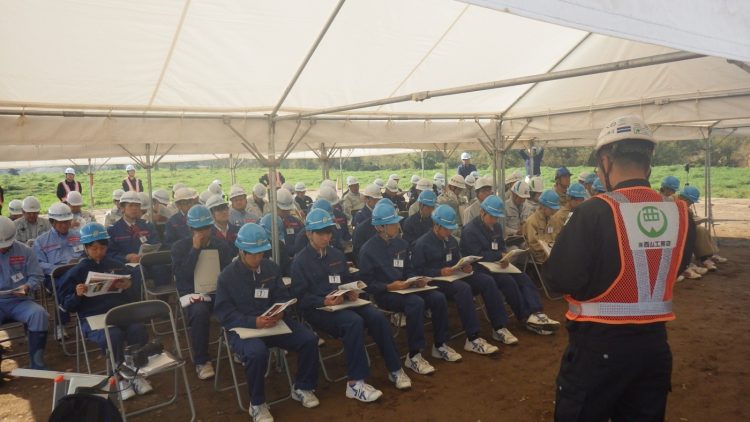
613 309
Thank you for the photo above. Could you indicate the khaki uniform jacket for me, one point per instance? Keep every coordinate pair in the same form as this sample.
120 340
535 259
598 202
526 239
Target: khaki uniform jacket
352 202
535 229
558 220
26 231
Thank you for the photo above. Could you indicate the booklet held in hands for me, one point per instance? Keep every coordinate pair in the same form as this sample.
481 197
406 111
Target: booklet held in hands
278 308
102 283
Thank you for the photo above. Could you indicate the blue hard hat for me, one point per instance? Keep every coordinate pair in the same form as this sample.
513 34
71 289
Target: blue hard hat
690 193
590 178
199 217
385 201
445 216
252 238
494 206
92 232
428 198
576 190
598 186
384 214
322 204
562 171
265 222
318 219
671 182
550 199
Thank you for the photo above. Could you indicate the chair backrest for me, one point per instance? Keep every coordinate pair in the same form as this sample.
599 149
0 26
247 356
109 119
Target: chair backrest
137 312
57 291
156 268
58 271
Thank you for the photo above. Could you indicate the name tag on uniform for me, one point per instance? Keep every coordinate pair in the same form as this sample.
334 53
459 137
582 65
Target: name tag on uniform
290 231
448 257
261 293
334 279
398 263
17 277
78 248
494 246
549 229
287 281
144 239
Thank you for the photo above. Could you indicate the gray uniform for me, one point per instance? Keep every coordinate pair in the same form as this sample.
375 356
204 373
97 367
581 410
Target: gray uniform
239 218
512 218
352 202
529 208
112 216
26 231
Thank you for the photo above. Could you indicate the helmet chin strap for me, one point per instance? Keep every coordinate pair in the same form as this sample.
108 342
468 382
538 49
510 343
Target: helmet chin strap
606 171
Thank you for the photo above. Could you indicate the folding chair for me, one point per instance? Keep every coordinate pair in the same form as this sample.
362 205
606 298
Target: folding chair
141 312
82 350
158 266
10 331
536 266
274 353
57 273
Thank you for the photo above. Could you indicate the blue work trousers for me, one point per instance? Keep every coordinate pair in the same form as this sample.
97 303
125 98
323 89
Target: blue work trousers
413 306
129 334
198 315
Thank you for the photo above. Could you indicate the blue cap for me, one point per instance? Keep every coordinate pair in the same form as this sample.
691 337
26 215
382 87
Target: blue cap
671 182
691 193
265 222
494 206
428 198
199 216
550 199
323 204
562 171
598 186
384 214
590 178
252 238
576 190
445 216
318 219
92 232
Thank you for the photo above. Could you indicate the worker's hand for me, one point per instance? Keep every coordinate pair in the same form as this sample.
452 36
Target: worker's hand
133 258
447 271
422 282
122 283
265 322
23 290
467 269
397 285
81 289
352 296
199 237
331 300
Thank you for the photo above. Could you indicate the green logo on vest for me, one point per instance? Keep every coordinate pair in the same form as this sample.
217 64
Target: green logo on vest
652 221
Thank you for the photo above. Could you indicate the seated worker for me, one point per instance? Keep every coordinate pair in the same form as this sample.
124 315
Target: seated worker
669 186
451 196
483 188
301 241
239 214
537 227
438 183
284 256
328 192
292 226
365 230
80 217
160 206
115 213
222 228
15 209
245 290
258 206
176 227
130 232
536 187
423 184
395 195
384 265
483 236
433 255
705 250
413 192
420 223
509 182
562 183
20 272
587 180
95 240
185 255
371 195
519 193
576 195
30 226
303 201
352 201
317 271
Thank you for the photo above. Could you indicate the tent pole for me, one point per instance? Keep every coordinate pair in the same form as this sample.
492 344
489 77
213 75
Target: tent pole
341 168
148 181
232 170
272 168
421 156
91 186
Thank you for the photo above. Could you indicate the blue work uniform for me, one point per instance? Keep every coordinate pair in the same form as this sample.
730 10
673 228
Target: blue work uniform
465 170
415 226
241 296
228 237
184 260
518 289
240 217
97 305
301 241
292 227
126 239
19 266
54 249
286 258
176 229
365 214
342 224
430 254
362 233
315 275
382 262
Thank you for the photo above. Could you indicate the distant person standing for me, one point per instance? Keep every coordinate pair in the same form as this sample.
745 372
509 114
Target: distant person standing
466 167
2 199
130 183
68 185
533 160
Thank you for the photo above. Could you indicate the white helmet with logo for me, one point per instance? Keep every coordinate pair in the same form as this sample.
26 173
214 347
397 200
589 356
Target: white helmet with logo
536 184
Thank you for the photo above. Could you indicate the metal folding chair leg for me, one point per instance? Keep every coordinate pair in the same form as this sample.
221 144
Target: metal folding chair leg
543 285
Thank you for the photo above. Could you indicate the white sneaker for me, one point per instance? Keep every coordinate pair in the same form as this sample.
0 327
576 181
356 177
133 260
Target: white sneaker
542 321
261 413
60 333
719 259
709 264
418 364
697 269
504 336
205 371
680 278
402 381
445 353
690 274
480 346
306 397
398 319
142 386
126 389
321 341
362 391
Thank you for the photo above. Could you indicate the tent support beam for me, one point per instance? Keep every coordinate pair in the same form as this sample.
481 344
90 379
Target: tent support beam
742 65
446 156
272 171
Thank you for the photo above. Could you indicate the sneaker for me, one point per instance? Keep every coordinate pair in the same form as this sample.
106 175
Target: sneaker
418 364
60 333
445 353
126 390
480 346
321 342
306 397
504 336
719 259
690 274
402 381
142 386
205 371
398 320
709 264
697 269
680 278
362 391
261 413
542 321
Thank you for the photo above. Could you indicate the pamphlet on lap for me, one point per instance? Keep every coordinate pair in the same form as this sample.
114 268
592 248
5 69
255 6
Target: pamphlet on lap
278 329
495 267
148 248
206 271
457 275
279 307
351 304
467 260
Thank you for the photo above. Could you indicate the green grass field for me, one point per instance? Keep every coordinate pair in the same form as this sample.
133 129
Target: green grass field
727 182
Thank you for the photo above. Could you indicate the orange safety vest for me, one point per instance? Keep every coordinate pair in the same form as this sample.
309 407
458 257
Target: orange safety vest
651 235
133 186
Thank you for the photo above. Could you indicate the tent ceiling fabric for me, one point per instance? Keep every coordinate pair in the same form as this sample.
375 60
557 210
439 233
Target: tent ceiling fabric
233 58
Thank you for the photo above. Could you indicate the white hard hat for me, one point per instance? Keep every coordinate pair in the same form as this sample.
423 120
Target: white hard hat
439 176
130 197
117 194
457 181
31 204
582 176
178 186
379 182
259 190
329 194
74 198
328 182
300 187
414 179
284 200
203 197
373 191
215 188
217 181
70 170
475 174
130 167
288 187
469 180
161 196
622 128
392 185
182 194
15 207
521 189
483 182
394 176
236 190
424 184
60 212
351 180
145 200
440 183
465 156
536 184
7 231
514 177
215 201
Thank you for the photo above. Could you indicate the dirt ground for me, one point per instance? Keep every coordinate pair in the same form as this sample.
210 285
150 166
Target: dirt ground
710 341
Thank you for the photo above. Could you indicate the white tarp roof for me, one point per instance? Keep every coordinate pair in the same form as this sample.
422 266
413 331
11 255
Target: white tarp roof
95 78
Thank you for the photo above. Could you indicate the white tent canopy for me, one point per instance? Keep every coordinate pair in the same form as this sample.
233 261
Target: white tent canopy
114 78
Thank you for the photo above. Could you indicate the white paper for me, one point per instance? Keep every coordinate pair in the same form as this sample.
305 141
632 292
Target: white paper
457 275
278 307
96 322
352 304
356 286
495 267
206 271
191 298
547 248
467 260
414 290
148 248
512 254
157 362
10 292
279 328
101 283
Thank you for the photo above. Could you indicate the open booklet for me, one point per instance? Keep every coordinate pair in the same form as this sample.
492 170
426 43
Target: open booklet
512 254
148 248
206 272
546 247
346 304
413 286
11 292
457 275
495 267
354 286
279 328
278 307
102 283
156 363
467 260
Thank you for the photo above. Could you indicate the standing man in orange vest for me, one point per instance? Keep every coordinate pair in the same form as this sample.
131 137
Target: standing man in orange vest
130 183
68 185
617 260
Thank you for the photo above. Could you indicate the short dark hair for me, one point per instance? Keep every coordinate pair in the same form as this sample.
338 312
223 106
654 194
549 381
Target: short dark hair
631 153
103 242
